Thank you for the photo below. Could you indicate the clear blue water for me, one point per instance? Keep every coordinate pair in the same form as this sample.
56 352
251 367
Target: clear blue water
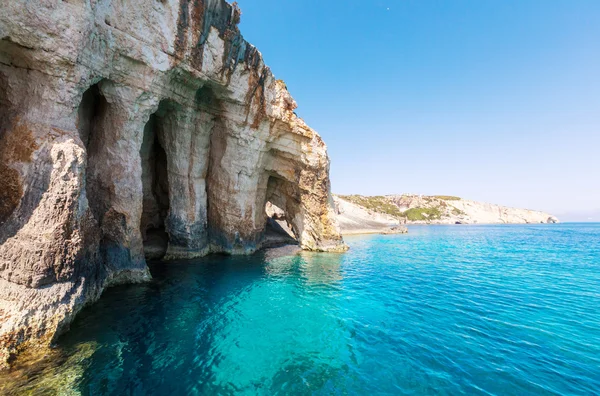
503 310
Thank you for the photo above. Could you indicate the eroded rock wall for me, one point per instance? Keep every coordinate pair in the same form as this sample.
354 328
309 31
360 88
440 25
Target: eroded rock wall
131 129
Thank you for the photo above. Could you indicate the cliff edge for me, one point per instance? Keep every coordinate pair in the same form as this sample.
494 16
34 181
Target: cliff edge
132 130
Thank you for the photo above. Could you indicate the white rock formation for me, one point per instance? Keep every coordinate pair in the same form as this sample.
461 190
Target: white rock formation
133 129
355 218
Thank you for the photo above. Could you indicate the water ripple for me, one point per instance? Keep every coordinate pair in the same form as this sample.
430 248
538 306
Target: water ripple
494 310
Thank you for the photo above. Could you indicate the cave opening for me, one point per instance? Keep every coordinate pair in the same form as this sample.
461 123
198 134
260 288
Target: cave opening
279 227
155 186
91 116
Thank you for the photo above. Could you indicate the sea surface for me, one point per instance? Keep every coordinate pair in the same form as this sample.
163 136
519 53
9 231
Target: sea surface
445 310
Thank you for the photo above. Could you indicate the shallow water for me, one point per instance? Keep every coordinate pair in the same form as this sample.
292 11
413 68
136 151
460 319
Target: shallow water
506 310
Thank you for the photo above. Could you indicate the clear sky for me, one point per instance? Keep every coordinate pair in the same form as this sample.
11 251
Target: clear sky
492 100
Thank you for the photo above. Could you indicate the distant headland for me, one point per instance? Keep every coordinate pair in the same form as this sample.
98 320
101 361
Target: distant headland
358 214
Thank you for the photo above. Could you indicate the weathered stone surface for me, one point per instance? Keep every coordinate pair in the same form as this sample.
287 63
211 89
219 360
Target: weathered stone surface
134 129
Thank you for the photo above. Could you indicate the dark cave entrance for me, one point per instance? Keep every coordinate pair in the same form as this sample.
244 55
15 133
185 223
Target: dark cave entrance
279 228
91 118
155 185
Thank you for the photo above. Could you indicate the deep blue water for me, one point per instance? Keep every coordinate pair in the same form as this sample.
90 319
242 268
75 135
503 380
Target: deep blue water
503 310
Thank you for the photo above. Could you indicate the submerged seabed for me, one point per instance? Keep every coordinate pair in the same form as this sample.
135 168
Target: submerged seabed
507 310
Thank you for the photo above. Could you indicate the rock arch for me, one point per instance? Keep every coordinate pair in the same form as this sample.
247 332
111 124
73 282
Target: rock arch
184 130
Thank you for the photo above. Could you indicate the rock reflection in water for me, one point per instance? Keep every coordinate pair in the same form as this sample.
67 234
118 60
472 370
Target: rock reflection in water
319 268
213 322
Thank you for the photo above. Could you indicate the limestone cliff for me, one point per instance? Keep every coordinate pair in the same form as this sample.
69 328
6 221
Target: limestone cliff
441 209
354 218
133 130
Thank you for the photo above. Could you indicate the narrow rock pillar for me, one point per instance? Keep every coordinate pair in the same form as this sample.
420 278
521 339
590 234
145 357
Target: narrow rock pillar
235 219
114 178
185 136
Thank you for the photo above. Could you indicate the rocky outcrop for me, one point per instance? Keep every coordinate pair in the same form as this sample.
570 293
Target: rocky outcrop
356 219
133 130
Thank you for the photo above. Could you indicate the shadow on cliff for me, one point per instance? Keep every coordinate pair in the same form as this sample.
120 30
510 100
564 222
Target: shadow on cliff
18 198
37 182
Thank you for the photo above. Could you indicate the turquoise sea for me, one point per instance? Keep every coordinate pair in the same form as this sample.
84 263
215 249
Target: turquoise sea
445 310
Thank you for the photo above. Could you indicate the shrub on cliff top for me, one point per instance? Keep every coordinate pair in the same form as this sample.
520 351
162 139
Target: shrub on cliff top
447 197
378 204
422 214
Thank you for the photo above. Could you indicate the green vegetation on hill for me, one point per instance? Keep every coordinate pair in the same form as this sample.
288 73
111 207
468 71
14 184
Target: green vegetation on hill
447 197
384 205
457 212
377 204
422 214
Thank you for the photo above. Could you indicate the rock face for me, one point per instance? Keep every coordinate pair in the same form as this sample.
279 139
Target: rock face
356 219
133 130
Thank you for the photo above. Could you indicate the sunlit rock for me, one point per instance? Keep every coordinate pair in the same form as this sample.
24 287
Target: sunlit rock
134 130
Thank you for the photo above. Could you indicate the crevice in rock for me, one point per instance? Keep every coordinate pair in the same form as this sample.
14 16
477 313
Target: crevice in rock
15 54
155 186
4 104
11 192
90 123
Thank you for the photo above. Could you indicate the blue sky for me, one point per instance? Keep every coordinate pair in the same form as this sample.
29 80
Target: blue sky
492 100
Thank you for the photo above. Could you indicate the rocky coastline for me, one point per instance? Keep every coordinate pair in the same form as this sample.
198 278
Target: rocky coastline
136 130
355 212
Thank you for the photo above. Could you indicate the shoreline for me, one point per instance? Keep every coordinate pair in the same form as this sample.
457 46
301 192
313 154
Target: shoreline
478 224
372 232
